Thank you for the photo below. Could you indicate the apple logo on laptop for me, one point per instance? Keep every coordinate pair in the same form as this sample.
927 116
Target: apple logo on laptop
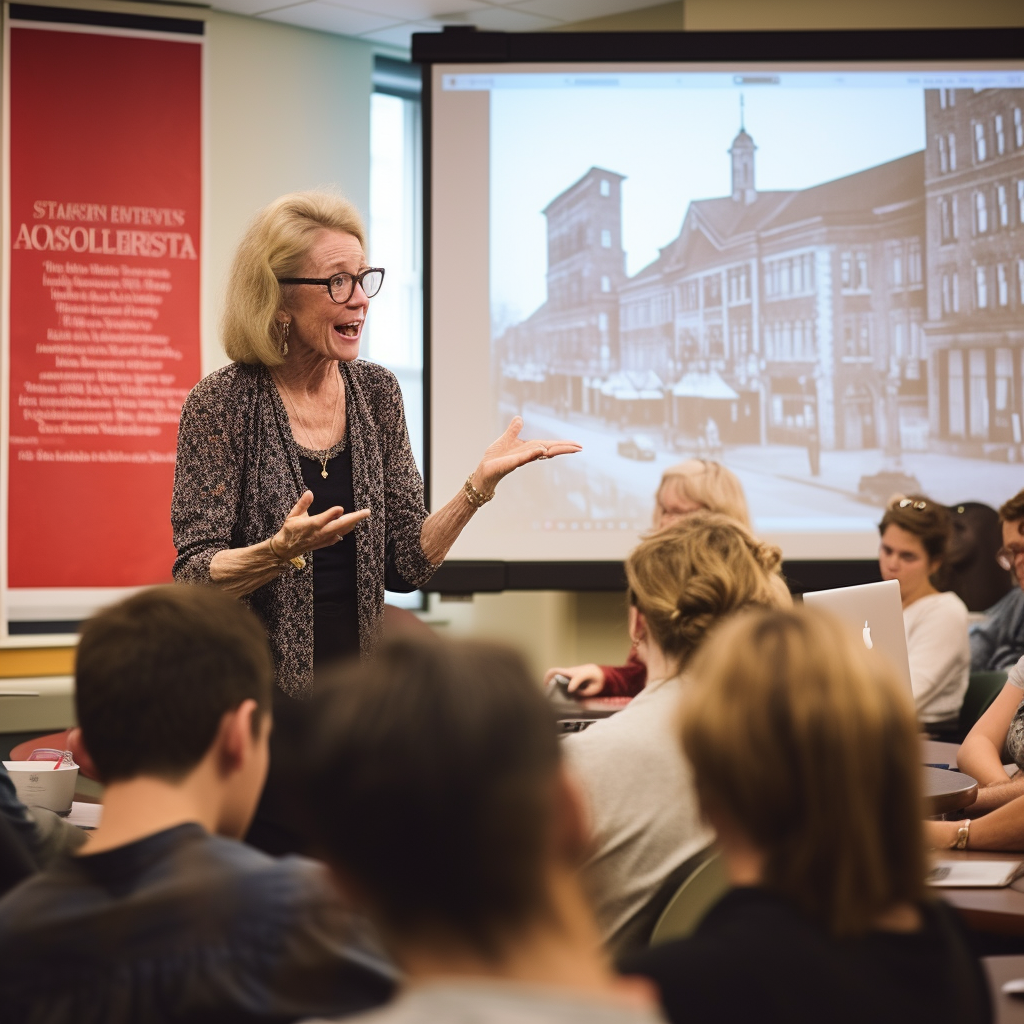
866 633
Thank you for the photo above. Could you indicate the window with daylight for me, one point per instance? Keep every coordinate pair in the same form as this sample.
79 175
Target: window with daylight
606 189
1002 285
980 288
957 419
1000 134
606 238
1018 127
394 330
1004 378
980 143
1003 206
951 146
979 393
943 158
980 213
1020 201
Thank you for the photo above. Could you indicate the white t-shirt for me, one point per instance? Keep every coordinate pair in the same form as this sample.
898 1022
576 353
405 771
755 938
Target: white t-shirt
644 816
940 655
485 1001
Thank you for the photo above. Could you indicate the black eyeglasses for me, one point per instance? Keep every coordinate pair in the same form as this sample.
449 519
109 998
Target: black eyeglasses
341 287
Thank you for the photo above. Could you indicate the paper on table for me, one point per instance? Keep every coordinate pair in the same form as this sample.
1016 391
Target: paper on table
983 874
85 815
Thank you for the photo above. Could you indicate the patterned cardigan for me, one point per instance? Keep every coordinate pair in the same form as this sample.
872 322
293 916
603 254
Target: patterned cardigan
237 475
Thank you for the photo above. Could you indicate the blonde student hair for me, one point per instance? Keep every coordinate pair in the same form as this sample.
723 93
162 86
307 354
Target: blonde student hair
687 577
808 743
708 484
276 245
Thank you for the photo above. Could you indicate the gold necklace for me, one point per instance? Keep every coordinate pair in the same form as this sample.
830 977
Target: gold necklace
320 456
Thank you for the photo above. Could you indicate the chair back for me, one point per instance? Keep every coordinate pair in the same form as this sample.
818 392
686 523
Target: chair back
982 689
693 899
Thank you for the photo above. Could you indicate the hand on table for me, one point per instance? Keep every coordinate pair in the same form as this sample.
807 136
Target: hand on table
302 532
584 680
510 452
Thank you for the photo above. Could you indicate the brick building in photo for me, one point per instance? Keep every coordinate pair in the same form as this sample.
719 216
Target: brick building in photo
883 309
974 184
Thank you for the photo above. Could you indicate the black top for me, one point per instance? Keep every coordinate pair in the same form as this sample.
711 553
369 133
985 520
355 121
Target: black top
182 926
335 602
754 958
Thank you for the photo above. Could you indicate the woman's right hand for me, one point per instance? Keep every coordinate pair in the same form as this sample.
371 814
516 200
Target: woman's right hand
302 532
584 680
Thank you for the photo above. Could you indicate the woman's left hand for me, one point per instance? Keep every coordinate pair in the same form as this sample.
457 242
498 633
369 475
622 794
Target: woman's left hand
510 452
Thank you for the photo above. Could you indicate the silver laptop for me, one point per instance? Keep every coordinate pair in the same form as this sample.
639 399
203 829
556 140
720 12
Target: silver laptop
875 611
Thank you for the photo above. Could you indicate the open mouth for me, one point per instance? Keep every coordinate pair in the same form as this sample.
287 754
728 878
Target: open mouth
350 330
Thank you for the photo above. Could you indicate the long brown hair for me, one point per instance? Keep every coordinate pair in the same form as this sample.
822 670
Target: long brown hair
808 742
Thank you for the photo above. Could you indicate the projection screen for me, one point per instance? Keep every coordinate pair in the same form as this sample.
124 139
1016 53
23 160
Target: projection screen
813 273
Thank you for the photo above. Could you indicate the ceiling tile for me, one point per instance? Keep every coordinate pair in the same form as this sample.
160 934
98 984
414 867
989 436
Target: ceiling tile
506 19
579 10
329 18
415 10
249 7
400 35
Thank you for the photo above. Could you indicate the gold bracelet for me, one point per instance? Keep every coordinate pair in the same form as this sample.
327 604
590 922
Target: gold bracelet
476 498
962 834
298 561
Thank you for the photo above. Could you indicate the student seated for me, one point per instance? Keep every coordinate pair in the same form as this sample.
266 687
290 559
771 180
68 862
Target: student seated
998 642
163 916
805 755
682 581
914 534
687 487
436 787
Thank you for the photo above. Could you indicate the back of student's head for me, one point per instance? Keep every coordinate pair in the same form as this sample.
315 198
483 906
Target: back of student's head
706 483
431 784
808 744
155 673
687 577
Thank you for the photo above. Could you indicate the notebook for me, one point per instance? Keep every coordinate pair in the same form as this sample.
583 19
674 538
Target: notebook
875 611
973 874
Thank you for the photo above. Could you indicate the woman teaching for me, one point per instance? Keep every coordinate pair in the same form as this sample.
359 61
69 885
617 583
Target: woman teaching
295 486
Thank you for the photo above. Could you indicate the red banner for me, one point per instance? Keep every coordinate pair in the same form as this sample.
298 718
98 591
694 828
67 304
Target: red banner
104 236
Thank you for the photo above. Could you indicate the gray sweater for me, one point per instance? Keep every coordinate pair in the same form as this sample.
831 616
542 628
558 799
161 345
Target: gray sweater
237 476
643 807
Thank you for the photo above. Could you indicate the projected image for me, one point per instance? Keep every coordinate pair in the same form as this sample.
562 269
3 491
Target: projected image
822 288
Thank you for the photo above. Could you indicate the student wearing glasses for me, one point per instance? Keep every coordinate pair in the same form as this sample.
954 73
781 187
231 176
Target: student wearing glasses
998 642
296 444
914 535
999 734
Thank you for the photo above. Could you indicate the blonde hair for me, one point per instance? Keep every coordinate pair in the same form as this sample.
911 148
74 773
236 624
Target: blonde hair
809 744
710 485
687 577
275 245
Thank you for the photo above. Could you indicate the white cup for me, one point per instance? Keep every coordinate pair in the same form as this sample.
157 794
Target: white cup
39 784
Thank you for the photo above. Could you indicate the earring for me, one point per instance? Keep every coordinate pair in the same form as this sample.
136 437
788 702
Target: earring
286 327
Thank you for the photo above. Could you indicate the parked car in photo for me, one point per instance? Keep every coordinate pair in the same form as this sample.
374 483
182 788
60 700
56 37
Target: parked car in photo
638 446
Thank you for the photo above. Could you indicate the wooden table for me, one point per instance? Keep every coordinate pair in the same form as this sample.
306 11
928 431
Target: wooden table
997 911
946 791
939 752
1000 969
